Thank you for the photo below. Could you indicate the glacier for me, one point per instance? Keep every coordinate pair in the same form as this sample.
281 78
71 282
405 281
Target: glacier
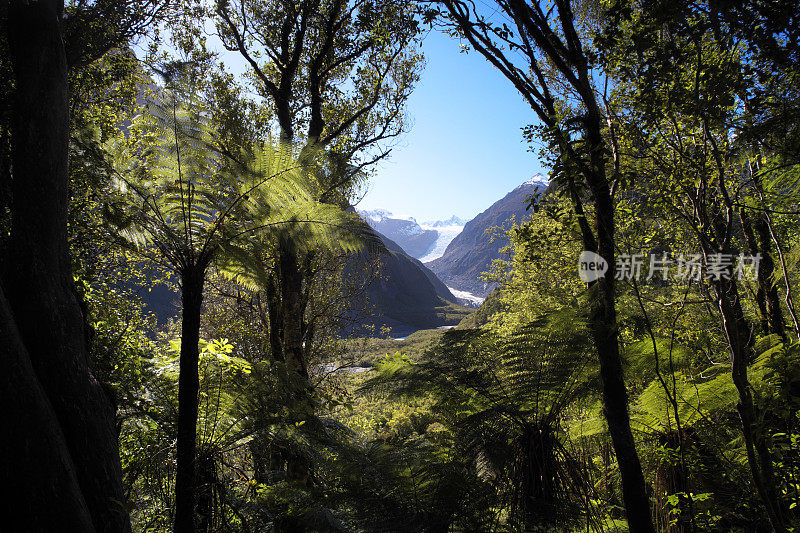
445 235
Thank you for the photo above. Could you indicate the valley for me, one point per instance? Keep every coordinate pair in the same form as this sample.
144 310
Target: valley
451 253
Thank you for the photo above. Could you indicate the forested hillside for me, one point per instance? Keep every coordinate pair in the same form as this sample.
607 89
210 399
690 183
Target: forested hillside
403 295
199 334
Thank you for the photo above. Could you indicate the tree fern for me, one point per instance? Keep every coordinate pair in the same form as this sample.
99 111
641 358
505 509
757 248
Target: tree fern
504 400
180 202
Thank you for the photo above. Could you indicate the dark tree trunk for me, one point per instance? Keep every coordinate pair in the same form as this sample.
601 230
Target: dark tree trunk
292 307
275 323
539 478
290 273
298 467
283 107
269 460
739 337
192 280
33 452
603 320
765 274
603 325
759 241
38 281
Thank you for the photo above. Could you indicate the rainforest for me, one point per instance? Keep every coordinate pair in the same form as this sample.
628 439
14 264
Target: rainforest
203 330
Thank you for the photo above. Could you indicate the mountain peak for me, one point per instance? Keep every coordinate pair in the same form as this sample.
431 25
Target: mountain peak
537 180
379 215
426 241
452 221
472 251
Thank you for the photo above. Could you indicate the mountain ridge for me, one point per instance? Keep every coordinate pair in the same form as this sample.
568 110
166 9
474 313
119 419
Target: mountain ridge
472 251
424 241
407 296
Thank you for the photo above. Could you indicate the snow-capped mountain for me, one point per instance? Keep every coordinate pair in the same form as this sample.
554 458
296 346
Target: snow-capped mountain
471 252
446 231
452 221
540 180
379 216
426 241
458 252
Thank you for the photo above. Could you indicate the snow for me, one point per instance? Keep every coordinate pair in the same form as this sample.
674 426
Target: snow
445 235
452 221
379 215
446 230
409 228
375 215
465 295
539 180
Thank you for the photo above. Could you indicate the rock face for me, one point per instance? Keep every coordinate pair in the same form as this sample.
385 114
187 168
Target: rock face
472 251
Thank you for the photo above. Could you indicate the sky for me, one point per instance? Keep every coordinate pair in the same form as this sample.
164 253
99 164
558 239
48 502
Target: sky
464 150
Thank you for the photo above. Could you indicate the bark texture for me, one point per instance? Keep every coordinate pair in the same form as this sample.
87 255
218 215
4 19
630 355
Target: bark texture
37 277
33 452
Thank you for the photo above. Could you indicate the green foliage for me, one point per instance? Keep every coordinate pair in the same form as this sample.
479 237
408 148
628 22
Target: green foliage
497 425
501 402
178 200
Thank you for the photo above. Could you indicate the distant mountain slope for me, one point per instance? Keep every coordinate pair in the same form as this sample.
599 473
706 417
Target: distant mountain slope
408 296
446 231
426 241
410 268
405 231
470 253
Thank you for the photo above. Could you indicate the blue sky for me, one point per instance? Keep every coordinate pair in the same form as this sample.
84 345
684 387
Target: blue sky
464 150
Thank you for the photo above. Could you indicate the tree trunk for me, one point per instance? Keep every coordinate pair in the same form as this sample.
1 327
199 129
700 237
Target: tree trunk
765 274
292 307
757 236
192 280
603 325
275 327
291 303
39 284
739 337
33 453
